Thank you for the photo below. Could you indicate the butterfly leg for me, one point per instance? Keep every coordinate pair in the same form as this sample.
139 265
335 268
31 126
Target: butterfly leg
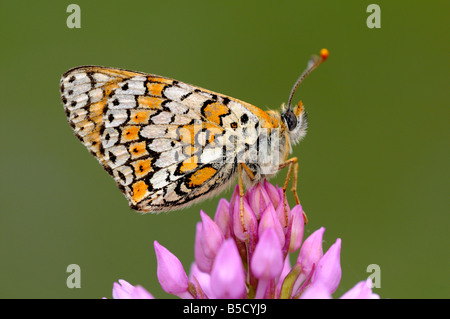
248 171
293 169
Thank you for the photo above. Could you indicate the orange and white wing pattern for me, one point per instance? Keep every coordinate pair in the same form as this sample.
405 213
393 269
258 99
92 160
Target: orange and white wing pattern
166 143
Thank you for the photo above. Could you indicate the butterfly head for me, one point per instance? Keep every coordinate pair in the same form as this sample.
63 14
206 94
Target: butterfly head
294 118
295 121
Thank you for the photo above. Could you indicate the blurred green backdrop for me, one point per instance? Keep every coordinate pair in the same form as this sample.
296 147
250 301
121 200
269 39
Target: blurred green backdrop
373 168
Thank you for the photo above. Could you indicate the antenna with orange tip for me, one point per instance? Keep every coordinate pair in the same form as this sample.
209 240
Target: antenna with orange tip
313 63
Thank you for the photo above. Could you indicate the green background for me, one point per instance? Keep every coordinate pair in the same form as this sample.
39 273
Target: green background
373 167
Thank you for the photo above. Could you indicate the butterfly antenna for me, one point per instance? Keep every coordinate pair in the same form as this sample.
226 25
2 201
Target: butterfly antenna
313 63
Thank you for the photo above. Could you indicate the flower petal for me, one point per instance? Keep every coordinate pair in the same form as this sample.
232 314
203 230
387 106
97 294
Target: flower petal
269 219
203 279
311 251
267 260
170 272
203 262
328 271
227 275
244 228
283 210
124 290
274 193
140 292
258 199
284 272
296 227
223 217
362 290
212 237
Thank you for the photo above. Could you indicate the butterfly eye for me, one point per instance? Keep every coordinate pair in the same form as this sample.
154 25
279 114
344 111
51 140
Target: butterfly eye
290 119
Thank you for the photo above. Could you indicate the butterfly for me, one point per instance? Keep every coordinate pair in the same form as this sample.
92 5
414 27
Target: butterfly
169 144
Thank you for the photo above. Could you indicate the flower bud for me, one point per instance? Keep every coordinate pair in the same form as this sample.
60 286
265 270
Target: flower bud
223 217
361 290
328 271
243 228
296 227
170 272
311 251
267 260
212 237
124 290
227 274
269 219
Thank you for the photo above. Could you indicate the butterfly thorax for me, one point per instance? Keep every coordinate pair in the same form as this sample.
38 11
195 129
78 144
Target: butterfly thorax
272 148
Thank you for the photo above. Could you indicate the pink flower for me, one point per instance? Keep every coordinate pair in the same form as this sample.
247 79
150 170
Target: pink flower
295 230
228 274
267 262
362 290
328 270
211 237
245 254
124 290
170 272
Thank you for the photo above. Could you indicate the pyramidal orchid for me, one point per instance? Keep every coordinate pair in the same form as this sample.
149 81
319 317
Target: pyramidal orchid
247 255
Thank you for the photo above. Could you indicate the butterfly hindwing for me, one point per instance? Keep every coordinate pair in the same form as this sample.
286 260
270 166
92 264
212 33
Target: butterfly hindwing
166 143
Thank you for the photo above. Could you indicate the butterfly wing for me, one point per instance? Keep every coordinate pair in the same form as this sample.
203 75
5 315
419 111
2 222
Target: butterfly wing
166 143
